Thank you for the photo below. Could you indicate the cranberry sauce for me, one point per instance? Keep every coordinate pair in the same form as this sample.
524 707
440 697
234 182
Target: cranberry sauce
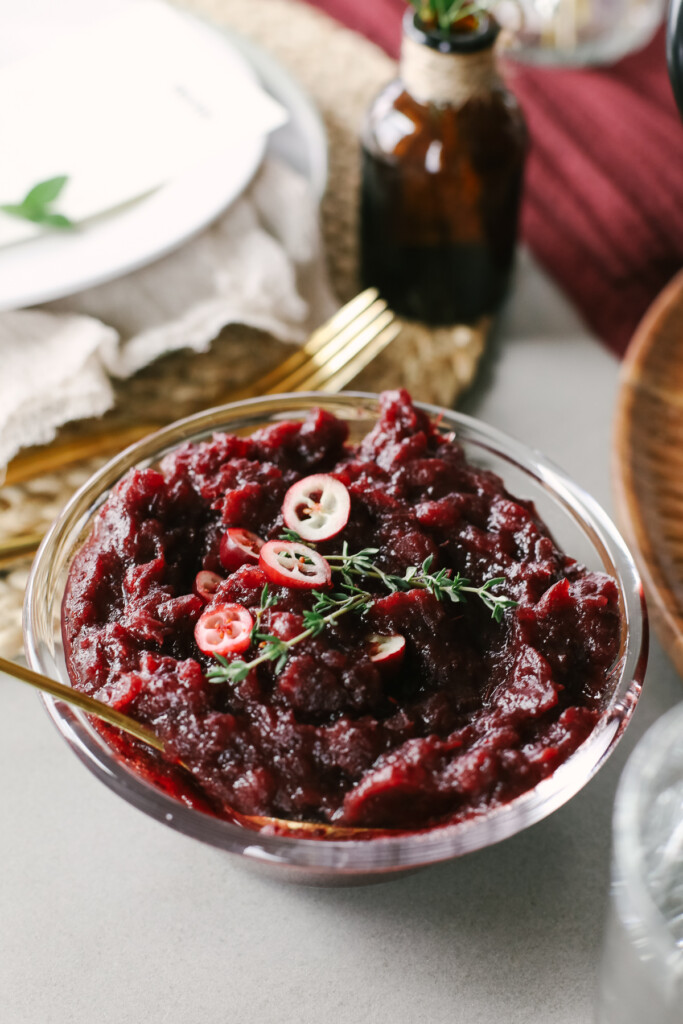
473 713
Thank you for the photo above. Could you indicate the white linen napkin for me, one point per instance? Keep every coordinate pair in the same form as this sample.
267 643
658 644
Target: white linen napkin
260 264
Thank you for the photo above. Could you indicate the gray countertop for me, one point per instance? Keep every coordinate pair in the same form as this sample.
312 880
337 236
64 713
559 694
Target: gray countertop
107 917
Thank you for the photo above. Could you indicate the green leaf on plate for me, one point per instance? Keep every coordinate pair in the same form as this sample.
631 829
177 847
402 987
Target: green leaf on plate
35 205
45 191
56 220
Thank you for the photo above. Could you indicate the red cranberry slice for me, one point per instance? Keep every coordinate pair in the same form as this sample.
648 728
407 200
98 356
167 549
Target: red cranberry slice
317 507
206 584
224 630
386 650
239 547
290 564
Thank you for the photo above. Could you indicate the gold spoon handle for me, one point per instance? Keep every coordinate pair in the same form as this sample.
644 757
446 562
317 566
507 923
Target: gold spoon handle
82 701
129 725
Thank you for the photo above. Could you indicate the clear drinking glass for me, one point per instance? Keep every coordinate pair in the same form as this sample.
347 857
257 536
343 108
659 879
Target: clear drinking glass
579 32
642 970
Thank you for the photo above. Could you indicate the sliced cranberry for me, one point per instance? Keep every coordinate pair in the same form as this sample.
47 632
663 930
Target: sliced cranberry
206 584
239 547
224 630
317 507
386 650
290 564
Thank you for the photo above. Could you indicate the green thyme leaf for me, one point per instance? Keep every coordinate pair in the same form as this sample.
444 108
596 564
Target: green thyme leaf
493 583
314 621
280 663
293 536
267 599
228 671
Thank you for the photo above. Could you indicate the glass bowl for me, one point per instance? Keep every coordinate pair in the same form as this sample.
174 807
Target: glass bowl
580 527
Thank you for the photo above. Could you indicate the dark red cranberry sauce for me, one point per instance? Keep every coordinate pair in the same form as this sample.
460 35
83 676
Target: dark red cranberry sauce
475 713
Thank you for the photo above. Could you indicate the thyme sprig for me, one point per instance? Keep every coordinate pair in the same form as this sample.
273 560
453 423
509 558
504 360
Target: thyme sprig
444 584
327 608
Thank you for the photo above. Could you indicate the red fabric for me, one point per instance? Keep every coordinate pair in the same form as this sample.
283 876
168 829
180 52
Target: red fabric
603 208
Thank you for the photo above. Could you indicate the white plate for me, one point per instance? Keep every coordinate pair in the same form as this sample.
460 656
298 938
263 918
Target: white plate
302 142
55 265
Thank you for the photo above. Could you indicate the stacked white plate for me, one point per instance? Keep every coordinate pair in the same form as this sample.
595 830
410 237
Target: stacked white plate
58 263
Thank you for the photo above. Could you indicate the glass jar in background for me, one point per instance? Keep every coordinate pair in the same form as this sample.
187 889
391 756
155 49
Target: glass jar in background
443 151
641 980
580 32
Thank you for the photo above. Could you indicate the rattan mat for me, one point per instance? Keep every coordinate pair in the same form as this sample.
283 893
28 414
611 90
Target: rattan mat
342 72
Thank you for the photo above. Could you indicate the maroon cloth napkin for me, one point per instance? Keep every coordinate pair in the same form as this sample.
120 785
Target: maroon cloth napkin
603 209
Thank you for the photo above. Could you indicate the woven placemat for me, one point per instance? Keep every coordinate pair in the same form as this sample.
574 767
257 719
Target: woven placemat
342 72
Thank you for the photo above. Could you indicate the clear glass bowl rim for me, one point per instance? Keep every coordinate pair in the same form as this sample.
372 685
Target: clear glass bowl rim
384 854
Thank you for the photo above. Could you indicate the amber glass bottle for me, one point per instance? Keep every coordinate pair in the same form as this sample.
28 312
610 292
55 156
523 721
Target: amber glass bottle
443 151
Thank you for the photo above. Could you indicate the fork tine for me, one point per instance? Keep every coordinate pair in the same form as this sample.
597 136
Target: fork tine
353 308
268 383
333 349
324 368
327 379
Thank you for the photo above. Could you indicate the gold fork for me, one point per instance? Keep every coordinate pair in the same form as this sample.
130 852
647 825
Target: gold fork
334 354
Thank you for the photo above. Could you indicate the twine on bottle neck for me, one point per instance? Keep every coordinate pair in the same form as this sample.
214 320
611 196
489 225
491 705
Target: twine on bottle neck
446 78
